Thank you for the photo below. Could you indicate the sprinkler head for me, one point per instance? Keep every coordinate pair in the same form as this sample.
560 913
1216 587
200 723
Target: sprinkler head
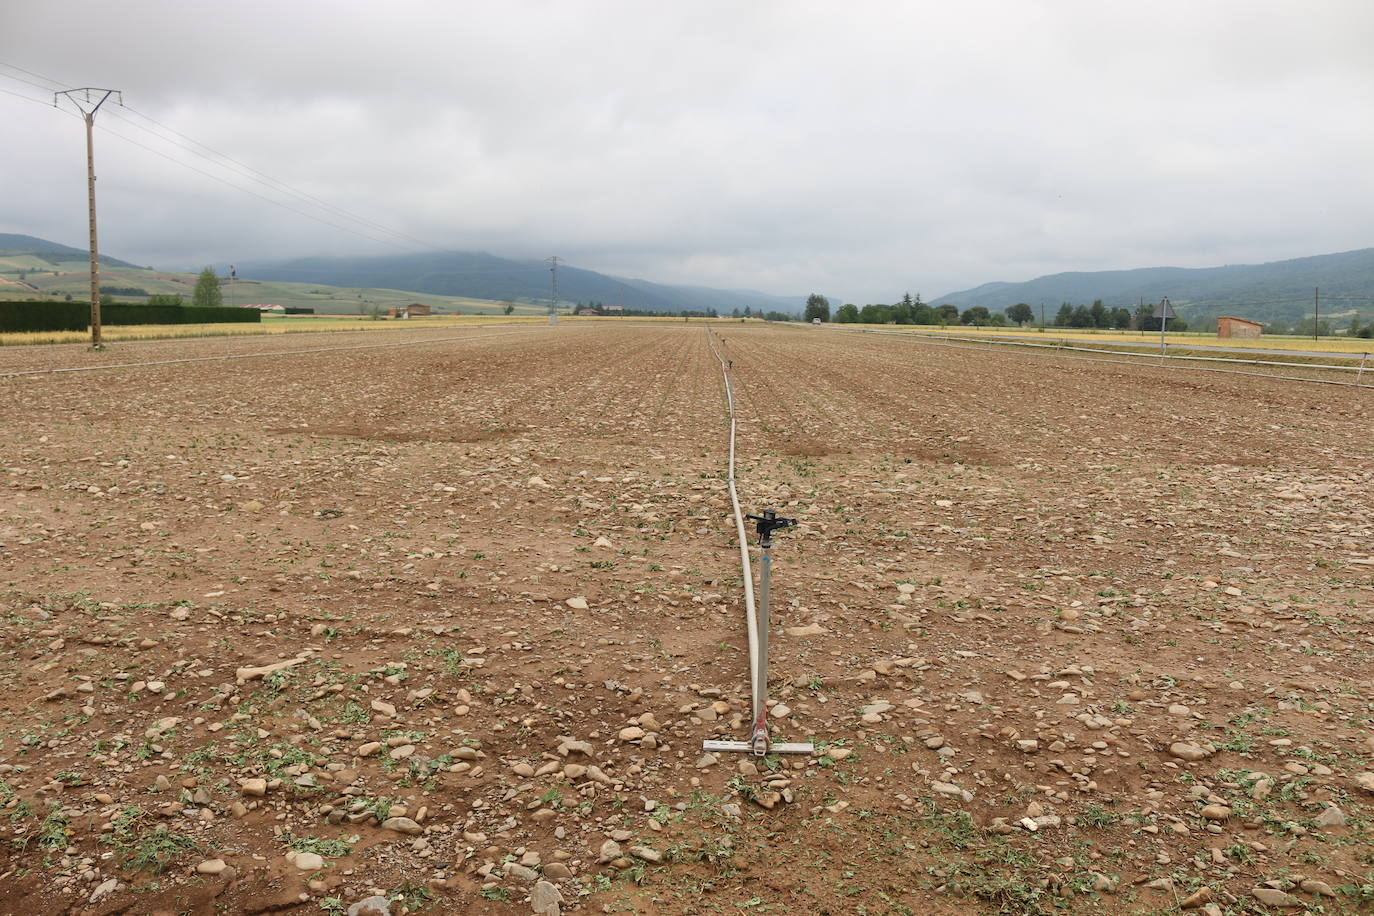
769 522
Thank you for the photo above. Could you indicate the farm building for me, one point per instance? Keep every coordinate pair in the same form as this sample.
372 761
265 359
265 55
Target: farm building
414 310
1228 326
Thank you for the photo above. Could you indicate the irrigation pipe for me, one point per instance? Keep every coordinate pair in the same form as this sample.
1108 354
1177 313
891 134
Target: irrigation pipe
940 341
758 690
203 359
759 743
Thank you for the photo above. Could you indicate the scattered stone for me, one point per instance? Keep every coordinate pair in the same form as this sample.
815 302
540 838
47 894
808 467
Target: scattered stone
545 896
212 867
1321 888
1331 817
402 825
307 861
253 787
1197 899
1184 751
577 604
371 906
253 673
1273 897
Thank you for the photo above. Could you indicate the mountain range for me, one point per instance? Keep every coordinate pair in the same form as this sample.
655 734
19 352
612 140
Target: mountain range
1264 292
480 275
1274 291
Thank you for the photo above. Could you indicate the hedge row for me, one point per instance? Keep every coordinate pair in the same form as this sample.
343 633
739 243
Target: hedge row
44 316
39 315
174 314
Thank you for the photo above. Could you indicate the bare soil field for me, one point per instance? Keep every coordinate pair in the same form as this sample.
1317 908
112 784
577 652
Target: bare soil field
446 624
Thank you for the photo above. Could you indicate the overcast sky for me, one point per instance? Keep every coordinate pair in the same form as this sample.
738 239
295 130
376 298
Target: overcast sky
860 149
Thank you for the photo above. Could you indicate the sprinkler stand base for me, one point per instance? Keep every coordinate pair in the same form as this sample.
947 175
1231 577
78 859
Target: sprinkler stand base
744 747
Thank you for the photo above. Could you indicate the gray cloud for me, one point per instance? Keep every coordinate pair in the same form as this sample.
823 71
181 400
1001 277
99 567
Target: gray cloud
860 149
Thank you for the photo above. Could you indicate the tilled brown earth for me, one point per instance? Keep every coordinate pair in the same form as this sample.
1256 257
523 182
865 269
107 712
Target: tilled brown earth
446 625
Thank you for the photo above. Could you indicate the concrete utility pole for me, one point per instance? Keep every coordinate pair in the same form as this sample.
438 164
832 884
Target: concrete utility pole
88 106
553 284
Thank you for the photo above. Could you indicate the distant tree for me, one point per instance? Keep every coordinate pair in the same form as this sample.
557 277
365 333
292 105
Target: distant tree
1064 316
69 297
1081 317
1121 318
976 316
507 307
1177 324
1020 313
997 320
817 306
164 299
1099 315
908 301
207 293
847 313
947 313
748 312
1145 319
924 314
875 314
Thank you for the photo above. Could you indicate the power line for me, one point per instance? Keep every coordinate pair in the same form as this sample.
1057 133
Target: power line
275 183
29 98
275 203
46 79
238 168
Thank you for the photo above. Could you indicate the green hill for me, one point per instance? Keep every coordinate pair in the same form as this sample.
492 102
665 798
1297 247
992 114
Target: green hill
1278 290
33 268
470 282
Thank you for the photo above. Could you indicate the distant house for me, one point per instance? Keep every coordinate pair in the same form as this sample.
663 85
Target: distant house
614 308
414 310
1228 326
265 308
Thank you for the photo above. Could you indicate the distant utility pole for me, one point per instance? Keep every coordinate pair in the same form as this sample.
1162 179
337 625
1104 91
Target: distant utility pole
1316 309
85 102
233 275
553 284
